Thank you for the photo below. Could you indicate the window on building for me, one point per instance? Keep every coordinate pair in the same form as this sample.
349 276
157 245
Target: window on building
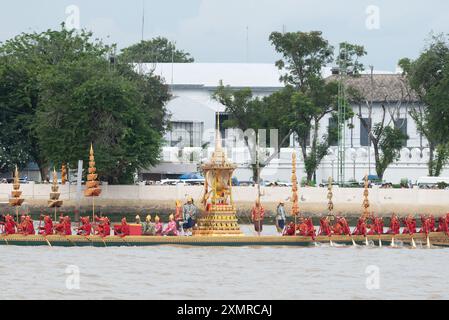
364 132
332 131
401 124
185 134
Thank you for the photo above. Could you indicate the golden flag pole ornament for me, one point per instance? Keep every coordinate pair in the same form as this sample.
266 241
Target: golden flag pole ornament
295 199
366 204
16 201
54 201
330 195
63 174
92 185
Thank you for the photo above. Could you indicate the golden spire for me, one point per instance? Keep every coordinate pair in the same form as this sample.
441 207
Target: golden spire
63 174
54 201
295 201
366 203
16 200
92 185
330 205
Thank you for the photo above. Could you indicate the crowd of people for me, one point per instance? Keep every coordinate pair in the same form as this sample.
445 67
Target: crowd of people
180 223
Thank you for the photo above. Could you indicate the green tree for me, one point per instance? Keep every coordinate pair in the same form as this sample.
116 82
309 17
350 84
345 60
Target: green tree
157 50
304 55
428 76
255 117
72 95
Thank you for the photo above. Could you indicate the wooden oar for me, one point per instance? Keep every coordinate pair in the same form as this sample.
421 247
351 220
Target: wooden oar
48 242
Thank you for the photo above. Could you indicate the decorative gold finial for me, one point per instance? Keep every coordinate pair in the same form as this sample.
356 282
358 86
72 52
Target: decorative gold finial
63 174
330 205
16 200
54 201
92 185
295 199
366 204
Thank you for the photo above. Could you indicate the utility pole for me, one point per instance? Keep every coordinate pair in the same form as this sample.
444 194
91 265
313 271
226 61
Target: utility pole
341 156
370 118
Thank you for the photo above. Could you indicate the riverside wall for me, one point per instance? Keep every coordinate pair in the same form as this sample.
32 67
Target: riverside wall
143 199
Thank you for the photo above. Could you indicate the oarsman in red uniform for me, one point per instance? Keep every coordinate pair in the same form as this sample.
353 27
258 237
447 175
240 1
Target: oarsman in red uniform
360 229
104 227
432 223
337 229
325 229
27 227
67 226
86 228
10 225
377 227
21 226
395 225
310 228
289 230
122 230
47 229
302 227
346 230
410 225
59 227
426 225
443 224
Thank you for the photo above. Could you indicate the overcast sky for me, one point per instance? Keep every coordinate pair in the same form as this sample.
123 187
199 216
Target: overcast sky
216 30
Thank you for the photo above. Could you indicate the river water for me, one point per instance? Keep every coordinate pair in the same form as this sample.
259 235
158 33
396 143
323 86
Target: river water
322 272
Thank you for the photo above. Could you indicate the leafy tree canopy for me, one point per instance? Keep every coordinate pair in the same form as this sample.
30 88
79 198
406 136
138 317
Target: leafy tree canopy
155 50
60 93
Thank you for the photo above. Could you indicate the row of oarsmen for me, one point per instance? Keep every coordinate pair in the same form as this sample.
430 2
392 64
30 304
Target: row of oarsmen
101 227
371 225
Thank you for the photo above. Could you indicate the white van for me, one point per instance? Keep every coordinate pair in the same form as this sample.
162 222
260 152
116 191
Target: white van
431 182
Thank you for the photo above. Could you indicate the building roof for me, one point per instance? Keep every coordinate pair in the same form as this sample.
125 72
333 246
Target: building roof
382 88
252 75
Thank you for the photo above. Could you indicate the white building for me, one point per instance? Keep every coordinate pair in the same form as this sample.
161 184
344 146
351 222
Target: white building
193 117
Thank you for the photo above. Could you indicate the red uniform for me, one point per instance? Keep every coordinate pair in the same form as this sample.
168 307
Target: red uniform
86 228
377 227
395 225
325 229
123 229
360 229
410 225
426 225
10 225
290 230
67 226
59 227
337 229
27 227
47 229
443 224
346 230
104 227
